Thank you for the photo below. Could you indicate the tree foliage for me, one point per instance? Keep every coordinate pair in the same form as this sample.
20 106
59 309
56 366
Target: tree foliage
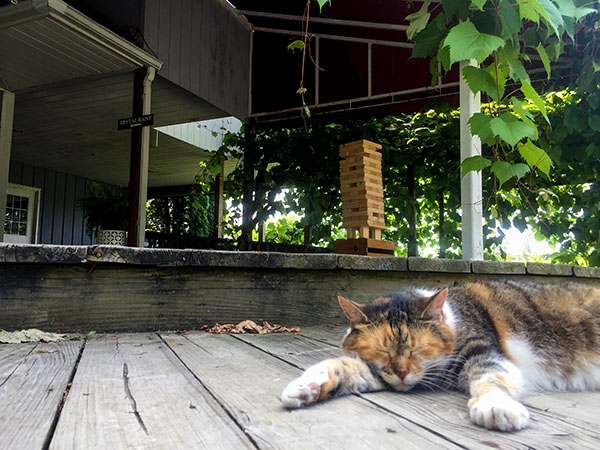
185 214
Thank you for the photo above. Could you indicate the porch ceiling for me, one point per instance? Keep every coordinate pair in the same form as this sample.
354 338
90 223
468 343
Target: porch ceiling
72 128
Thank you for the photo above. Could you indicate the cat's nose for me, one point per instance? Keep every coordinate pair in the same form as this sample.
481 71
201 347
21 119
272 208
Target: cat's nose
402 374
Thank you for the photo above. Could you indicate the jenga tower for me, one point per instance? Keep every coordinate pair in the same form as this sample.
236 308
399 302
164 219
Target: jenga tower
362 200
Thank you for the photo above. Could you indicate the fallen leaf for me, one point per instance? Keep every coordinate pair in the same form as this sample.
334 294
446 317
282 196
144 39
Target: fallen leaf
246 326
31 335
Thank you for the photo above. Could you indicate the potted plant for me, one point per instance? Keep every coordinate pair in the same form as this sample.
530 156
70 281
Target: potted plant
106 211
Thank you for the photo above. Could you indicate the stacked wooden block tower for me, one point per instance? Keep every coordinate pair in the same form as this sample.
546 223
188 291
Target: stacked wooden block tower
362 200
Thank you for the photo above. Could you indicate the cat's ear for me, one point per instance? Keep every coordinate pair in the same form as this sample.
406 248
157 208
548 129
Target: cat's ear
354 311
431 308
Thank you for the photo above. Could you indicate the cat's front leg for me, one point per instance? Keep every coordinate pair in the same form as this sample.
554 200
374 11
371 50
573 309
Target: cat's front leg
340 375
494 388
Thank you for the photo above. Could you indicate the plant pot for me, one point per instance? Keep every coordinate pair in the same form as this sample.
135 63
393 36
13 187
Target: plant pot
111 237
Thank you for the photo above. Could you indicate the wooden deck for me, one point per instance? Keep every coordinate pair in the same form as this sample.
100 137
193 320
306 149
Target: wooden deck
197 390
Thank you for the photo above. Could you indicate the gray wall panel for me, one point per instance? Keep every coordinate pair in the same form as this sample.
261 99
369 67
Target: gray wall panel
61 221
204 48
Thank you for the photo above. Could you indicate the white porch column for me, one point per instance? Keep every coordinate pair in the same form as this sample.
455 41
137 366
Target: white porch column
470 188
145 157
7 111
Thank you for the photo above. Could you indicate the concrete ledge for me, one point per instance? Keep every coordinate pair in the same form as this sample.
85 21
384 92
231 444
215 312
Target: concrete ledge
61 254
498 267
586 272
438 265
354 262
549 269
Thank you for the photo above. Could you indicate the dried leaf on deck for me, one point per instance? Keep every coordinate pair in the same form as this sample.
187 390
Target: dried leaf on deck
31 335
248 326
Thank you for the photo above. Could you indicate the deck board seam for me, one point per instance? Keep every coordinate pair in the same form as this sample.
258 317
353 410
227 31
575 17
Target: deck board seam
215 398
63 400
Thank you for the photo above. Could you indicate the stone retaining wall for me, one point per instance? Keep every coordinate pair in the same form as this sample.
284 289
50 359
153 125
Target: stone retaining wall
79 288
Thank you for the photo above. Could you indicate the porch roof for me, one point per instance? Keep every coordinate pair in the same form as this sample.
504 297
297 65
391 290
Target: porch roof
47 41
73 80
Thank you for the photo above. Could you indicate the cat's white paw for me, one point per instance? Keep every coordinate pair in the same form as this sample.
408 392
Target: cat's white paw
306 389
497 411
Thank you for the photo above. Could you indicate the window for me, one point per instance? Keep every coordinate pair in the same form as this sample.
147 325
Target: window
20 219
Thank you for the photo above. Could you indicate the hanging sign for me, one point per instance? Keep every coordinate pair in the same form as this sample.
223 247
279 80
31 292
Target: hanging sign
134 122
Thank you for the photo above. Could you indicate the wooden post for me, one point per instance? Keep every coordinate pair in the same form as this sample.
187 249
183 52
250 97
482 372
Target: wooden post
7 111
139 157
218 211
470 187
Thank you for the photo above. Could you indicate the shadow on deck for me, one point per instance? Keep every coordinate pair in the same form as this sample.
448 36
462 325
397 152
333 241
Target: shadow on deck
197 390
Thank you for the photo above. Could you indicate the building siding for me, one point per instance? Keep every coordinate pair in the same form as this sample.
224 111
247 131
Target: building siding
205 49
61 221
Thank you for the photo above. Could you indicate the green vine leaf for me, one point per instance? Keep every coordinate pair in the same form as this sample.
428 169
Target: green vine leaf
544 57
418 20
480 126
553 15
296 45
569 9
532 95
532 10
594 122
535 156
474 163
429 39
510 20
505 171
466 43
479 4
510 129
520 110
509 55
479 80
323 3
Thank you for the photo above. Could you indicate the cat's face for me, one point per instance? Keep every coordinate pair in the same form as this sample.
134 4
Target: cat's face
404 339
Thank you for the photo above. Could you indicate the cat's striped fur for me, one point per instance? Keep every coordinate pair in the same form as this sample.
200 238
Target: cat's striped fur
493 340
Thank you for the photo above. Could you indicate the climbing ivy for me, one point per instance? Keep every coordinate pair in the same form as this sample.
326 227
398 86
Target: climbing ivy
501 38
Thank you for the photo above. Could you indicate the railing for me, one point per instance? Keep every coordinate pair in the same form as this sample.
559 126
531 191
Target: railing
165 240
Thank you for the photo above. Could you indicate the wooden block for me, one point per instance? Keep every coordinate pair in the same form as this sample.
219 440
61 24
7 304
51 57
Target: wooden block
348 213
370 187
362 158
364 246
357 195
374 180
363 203
359 146
360 168
357 222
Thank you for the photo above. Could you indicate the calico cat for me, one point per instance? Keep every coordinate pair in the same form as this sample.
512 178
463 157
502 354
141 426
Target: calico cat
494 340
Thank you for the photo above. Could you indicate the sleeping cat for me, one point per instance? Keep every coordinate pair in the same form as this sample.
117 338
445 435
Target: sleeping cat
494 340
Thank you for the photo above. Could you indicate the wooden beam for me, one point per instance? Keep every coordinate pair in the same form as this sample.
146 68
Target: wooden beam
470 188
7 111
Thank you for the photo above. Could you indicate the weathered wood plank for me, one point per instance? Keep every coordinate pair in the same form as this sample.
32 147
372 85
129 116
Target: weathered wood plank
32 391
575 406
248 381
131 392
443 412
11 357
